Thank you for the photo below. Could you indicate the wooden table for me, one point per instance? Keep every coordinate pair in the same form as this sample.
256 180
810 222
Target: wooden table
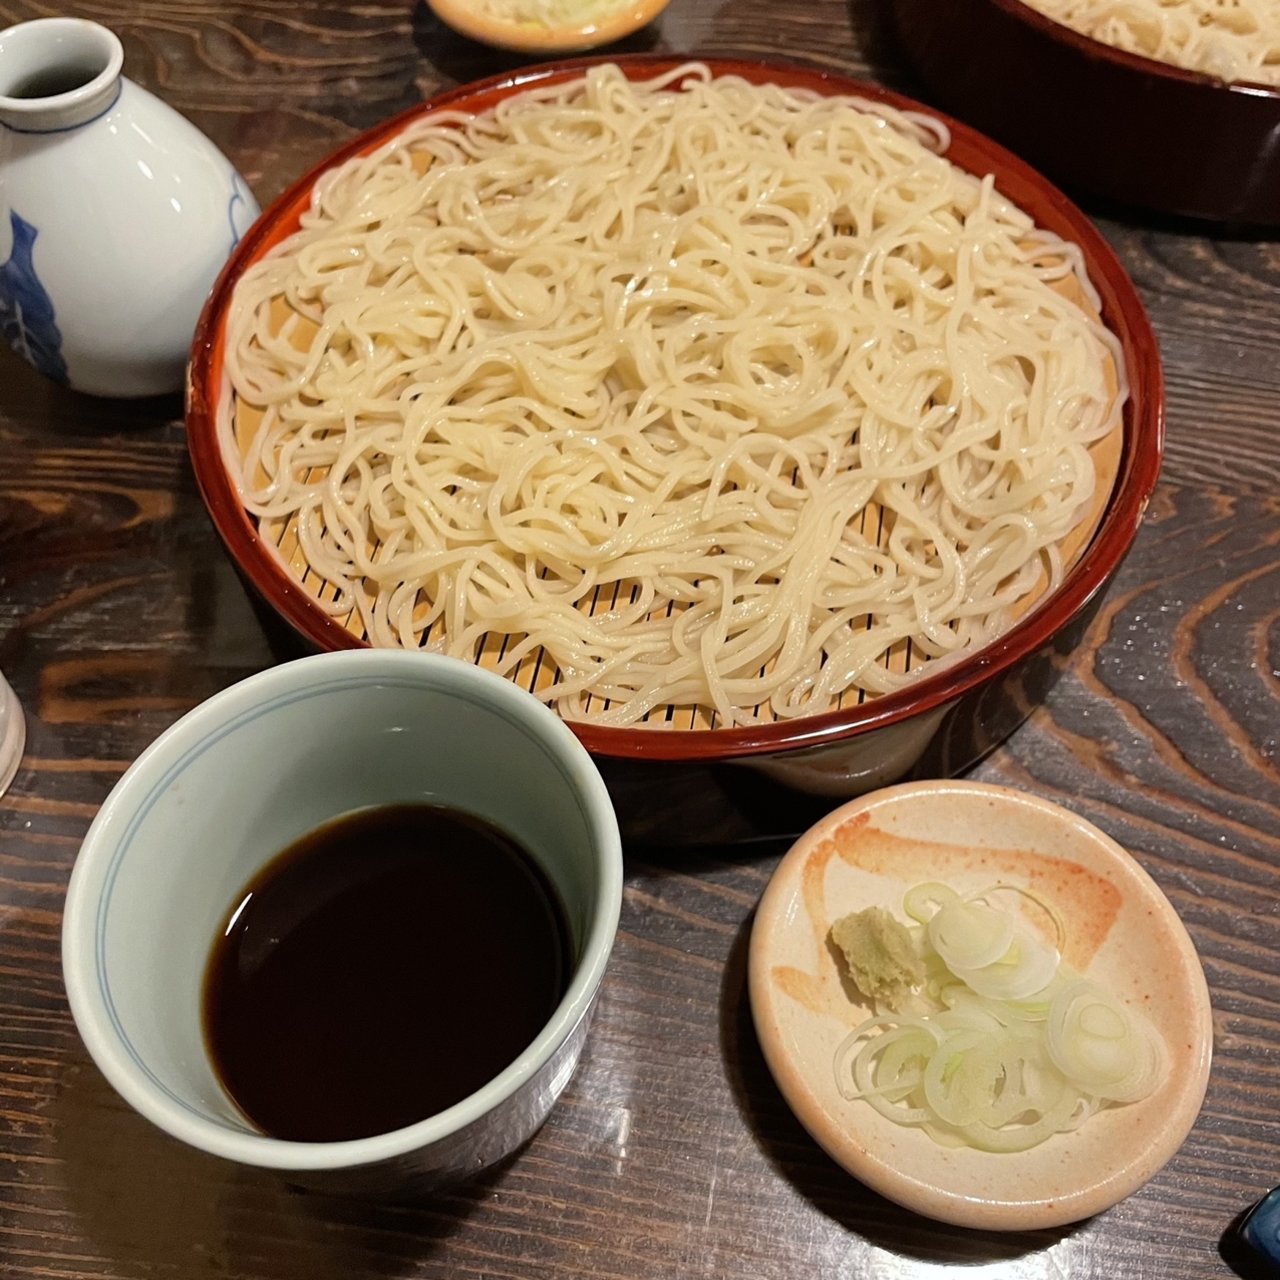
672 1154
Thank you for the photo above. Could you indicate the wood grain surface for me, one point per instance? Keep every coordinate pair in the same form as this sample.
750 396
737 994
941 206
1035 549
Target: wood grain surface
672 1153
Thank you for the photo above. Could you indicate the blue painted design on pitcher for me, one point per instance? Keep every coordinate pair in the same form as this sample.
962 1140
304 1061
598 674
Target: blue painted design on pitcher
26 310
242 209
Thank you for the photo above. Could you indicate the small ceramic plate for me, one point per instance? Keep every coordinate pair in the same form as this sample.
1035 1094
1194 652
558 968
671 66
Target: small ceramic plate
1121 931
593 22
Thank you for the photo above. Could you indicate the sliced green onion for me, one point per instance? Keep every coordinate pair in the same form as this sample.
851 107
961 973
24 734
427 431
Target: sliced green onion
1060 925
969 935
1099 1045
1015 1047
1027 967
923 901
1021 1137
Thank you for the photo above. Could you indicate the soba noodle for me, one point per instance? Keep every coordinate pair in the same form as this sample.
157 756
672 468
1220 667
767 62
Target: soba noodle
716 395
1234 40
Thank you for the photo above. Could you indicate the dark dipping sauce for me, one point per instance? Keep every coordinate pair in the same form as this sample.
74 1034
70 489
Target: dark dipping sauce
380 969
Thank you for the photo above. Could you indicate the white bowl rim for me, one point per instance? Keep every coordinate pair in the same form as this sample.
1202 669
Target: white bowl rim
34 30
80 933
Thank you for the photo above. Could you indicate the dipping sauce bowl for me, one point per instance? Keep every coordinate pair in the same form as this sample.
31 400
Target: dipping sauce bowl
243 776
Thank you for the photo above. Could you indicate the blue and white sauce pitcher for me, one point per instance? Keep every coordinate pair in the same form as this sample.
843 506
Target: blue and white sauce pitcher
116 214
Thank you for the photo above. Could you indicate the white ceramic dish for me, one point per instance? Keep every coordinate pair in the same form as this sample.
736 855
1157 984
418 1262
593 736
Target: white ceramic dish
587 24
13 734
1121 930
246 774
116 214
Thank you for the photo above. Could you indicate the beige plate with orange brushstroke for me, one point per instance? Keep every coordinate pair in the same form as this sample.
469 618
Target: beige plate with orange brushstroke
596 24
1121 930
